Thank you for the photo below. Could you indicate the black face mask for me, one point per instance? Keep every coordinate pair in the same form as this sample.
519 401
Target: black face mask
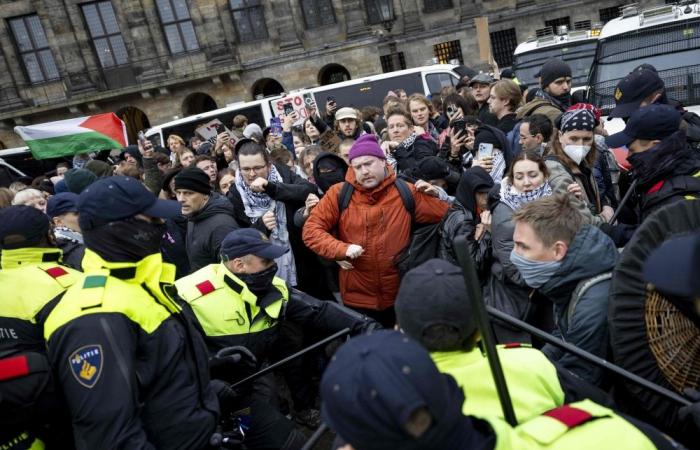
259 282
128 240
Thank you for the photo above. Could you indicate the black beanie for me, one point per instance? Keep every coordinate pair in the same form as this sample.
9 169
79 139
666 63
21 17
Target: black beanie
193 179
553 69
486 136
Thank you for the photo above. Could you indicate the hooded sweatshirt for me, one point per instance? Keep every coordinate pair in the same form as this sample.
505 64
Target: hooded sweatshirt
590 253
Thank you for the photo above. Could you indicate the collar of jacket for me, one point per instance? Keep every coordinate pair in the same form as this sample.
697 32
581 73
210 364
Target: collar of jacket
29 256
151 273
271 302
447 361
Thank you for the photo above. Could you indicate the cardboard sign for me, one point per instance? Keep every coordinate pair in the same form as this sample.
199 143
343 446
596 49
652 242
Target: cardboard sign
329 141
208 130
298 102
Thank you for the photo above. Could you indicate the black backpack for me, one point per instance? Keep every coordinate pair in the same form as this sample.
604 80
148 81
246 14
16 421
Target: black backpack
425 238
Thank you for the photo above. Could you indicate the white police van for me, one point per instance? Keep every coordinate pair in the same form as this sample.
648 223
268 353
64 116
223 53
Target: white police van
667 37
576 48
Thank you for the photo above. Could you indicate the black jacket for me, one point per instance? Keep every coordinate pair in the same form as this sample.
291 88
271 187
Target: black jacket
133 368
292 191
72 252
507 123
485 115
407 157
174 245
207 228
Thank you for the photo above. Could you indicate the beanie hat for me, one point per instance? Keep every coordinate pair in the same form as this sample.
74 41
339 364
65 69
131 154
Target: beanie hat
78 179
193 179
60 186
553 69
366 145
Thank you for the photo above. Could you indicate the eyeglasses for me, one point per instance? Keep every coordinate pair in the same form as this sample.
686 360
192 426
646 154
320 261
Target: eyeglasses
252 169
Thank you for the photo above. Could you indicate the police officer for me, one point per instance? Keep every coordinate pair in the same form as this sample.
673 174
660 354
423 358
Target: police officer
382 391
433 307
240 302
133 368
31 277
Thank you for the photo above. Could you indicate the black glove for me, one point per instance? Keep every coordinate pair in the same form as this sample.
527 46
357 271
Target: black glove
232 363
691 412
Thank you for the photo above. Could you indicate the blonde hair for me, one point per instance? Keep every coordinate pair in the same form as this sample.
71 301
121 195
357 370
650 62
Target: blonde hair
176 138
508 90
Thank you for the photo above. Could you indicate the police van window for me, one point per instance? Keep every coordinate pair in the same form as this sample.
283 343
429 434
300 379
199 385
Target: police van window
437 81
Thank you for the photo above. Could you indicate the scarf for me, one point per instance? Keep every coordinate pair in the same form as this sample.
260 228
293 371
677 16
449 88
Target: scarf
67 234
661 161
563 102
258 203
407 143
515 200
499 166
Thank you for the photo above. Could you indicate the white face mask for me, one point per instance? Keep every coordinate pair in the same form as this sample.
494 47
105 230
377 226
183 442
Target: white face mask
577 152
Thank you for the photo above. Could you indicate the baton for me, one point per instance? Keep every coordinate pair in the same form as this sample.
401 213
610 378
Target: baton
482 321
596 360
626 197
296 355
313 440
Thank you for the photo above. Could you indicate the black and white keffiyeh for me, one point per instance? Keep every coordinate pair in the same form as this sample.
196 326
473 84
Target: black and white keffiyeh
515 200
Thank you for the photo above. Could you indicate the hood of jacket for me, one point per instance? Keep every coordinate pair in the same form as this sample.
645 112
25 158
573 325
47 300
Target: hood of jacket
217 204
590 253
473 179
324 182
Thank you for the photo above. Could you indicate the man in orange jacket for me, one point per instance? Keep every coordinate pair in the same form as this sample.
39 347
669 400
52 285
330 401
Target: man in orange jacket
366 235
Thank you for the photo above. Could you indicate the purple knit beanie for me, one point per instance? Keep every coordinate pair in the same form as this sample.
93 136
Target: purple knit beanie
366 145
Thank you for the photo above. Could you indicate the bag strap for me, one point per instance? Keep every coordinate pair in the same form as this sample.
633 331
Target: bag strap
407 198
581 288
344 196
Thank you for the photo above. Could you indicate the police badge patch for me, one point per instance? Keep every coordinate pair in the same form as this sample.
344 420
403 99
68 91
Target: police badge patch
86 365
618 94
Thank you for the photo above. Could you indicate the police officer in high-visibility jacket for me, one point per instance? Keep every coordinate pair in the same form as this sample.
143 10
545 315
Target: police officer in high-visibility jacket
433 307
31 277
240 302
131 364
383 392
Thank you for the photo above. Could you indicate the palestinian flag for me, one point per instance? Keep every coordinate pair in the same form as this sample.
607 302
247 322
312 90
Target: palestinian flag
72 136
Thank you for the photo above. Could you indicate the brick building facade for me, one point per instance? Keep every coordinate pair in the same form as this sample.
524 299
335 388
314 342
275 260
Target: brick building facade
151 61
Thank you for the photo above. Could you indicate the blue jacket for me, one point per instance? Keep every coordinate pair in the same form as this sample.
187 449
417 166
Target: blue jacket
590 253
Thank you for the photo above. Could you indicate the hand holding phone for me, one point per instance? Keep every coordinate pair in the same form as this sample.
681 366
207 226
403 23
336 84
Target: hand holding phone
288 108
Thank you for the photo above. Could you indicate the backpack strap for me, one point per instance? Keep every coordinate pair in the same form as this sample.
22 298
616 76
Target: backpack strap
344 196
581 288
407 198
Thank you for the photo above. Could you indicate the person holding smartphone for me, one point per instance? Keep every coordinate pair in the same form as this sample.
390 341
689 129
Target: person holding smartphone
490 151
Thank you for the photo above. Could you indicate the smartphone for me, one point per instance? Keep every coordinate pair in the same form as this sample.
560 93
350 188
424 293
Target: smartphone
220 128
288 109
485 150
458 125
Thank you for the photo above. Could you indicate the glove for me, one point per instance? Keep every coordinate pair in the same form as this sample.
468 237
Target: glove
691 412
232 363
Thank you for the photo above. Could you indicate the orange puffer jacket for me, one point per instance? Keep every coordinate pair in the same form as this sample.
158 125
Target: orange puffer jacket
377 221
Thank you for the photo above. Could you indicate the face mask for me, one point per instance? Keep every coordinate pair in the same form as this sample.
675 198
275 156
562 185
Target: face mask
577 152
128 240
535 273
259 282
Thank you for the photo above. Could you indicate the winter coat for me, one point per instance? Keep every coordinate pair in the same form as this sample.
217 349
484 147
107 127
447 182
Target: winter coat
507 123
461 222
407 158
292 191
206 229
174 245
485 115
560 178
376 220
590 253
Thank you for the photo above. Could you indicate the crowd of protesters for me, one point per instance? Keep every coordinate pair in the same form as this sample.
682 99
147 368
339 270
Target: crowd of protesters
278 237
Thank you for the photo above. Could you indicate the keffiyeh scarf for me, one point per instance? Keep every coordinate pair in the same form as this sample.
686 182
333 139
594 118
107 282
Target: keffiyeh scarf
515 200
67 234
256 204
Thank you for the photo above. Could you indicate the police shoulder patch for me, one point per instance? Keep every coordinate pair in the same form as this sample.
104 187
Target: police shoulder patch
86 364
618 94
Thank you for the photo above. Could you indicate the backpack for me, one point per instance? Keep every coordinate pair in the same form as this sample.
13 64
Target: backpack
581 288
425 238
